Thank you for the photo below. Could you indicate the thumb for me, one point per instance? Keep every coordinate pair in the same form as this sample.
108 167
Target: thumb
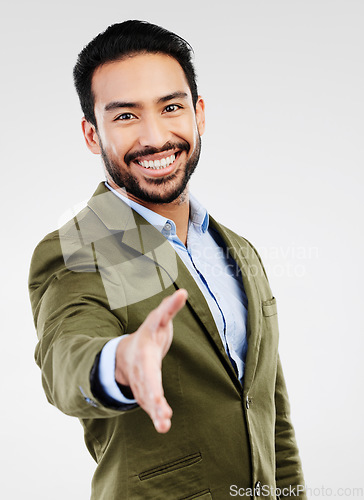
172 306
167 309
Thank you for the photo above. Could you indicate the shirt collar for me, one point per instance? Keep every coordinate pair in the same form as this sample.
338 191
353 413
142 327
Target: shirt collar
198 214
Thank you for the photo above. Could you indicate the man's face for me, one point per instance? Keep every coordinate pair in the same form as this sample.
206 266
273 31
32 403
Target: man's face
148 131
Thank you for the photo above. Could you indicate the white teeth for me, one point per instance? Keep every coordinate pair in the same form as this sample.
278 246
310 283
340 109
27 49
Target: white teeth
158 164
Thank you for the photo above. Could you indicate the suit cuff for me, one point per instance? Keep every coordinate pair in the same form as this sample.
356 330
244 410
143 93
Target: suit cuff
106 373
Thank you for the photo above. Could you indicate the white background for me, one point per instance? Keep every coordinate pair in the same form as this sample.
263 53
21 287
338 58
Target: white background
282 164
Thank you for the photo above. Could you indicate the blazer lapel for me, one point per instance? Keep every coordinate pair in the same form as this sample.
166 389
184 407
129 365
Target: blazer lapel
242 254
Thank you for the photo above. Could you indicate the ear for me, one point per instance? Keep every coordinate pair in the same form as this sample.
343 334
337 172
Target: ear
200 115
91 137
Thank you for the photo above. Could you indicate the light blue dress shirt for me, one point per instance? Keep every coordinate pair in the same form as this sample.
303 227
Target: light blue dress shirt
217 276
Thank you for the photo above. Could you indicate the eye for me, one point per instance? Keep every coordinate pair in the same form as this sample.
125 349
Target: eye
172 107
125 117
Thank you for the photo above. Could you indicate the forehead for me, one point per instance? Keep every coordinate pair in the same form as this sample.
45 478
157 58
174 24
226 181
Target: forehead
138 78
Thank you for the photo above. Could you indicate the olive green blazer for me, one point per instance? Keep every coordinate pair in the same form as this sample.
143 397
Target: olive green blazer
97 278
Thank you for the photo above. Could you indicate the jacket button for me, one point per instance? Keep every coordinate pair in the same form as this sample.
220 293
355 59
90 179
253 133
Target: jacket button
247 402
257 488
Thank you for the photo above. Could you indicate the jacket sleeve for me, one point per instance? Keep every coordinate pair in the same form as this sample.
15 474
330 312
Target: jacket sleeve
73 321
289 476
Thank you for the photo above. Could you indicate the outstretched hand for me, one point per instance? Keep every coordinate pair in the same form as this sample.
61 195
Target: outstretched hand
139 359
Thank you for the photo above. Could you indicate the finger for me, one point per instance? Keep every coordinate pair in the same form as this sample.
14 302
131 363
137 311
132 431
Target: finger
162 419
172 305
148 391
166 310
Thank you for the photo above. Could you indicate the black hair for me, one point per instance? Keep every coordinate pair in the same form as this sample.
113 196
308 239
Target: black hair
122 39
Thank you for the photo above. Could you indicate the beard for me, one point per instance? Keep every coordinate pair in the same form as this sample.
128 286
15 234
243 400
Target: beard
163 189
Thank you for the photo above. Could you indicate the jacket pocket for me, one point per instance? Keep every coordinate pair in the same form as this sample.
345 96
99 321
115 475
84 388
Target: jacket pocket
180 463
270 330
269 307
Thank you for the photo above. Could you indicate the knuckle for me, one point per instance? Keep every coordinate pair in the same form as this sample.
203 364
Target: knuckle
155 399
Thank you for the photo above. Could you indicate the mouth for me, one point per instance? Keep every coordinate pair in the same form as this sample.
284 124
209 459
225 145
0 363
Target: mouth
159 164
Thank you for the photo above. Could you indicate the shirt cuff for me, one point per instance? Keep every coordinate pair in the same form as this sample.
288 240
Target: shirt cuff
107 372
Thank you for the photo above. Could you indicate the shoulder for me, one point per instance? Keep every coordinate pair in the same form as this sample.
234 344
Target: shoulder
235 238
240 247
55 248
81 231
67 249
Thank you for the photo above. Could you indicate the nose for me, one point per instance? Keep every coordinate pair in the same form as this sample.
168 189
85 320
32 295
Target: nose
153 132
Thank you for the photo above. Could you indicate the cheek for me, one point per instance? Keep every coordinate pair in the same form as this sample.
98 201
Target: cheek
195 137
189 132
114 149
116 143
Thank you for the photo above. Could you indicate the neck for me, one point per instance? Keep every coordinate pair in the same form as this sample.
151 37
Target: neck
178 210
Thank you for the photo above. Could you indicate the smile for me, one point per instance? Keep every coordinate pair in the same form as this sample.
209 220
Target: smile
158 164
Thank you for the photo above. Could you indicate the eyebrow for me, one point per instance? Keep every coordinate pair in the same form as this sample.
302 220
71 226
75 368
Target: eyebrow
125 104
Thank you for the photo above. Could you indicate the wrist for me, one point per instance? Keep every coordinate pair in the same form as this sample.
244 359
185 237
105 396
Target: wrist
121 377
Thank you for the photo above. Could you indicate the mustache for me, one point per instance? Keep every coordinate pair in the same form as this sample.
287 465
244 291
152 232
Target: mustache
181 146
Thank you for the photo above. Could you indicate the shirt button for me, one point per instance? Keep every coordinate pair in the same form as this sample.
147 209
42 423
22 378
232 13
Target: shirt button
167 226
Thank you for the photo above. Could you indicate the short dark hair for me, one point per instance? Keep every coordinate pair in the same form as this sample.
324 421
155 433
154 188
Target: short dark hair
122 39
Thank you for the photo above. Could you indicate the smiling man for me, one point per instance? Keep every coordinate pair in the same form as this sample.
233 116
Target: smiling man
146 307
148 131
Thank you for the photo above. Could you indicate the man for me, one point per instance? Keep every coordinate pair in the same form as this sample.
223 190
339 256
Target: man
106 288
